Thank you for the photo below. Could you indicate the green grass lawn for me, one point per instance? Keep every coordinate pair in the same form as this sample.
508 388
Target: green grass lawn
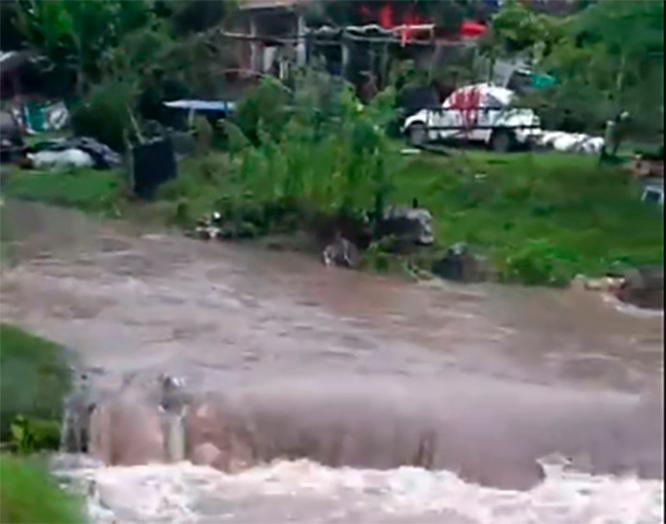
536 213
87 189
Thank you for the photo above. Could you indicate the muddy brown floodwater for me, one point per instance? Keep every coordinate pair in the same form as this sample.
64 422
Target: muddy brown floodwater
335 396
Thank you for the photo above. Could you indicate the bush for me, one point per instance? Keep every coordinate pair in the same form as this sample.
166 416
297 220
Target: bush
269 183
263 107
29 494
32 434
538 263
104 115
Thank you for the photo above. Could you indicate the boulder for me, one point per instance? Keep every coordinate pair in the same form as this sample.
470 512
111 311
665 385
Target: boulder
607 284
461 265
412 225
643 287
341 252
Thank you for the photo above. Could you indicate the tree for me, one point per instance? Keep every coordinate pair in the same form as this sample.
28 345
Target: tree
78 36
10 36
518 29
612 60
631 33
191 16
606 58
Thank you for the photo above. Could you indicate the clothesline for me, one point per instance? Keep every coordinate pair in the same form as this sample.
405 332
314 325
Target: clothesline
317 41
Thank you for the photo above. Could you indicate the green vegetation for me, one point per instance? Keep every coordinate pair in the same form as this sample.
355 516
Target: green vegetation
304 152
30 495
34 381
87 188
108 102
607 58
542 218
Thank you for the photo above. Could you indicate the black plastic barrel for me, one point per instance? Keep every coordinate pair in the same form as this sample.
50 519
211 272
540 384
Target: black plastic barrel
153 163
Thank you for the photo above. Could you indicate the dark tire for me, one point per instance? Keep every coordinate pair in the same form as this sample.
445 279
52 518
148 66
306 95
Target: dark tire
417 134
502 141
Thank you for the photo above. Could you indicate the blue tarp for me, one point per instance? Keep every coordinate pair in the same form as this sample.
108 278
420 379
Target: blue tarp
217 106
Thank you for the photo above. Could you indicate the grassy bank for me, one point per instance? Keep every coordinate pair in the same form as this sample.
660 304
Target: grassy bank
541 218
86 188
34 380
30 495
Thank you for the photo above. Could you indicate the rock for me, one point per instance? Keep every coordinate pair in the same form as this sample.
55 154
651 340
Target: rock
341 252
643 287
413 225
641 167
461 265
607 284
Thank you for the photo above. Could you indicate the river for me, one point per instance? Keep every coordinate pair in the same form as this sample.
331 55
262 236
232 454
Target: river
363 398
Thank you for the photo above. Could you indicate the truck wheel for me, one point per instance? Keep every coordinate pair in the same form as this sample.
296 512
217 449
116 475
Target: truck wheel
417 135
502 141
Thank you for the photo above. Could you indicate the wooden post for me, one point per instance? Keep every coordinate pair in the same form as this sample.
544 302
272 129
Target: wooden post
345 56
384 67
254 46
301 50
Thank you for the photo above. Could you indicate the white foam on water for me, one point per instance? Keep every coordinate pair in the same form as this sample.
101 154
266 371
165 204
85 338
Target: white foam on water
303 491
629 309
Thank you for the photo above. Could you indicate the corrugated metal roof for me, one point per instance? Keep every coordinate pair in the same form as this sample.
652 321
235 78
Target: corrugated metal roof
269 4
202 105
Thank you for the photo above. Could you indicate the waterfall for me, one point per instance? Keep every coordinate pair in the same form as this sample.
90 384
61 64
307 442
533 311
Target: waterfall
174 435
76 417
173 408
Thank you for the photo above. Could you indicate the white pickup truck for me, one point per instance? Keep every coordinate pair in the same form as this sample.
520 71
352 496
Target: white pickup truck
479 113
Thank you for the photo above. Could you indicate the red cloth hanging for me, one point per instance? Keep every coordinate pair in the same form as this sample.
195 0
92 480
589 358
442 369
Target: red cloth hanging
469 29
